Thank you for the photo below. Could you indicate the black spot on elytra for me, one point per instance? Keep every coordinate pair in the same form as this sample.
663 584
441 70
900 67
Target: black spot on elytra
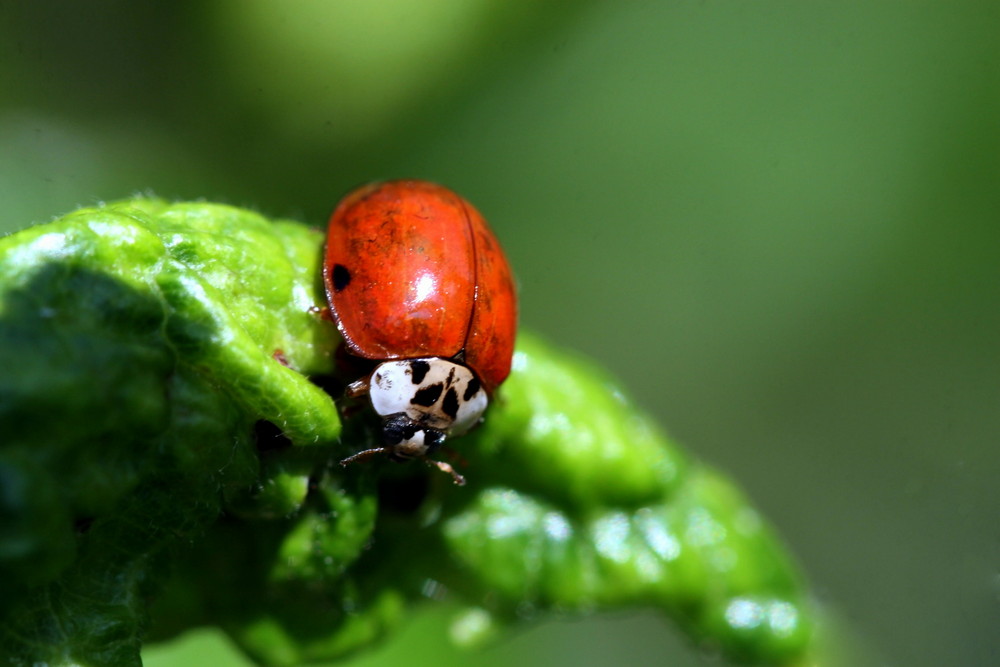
418 371
450 403
471 389
427 396
341 277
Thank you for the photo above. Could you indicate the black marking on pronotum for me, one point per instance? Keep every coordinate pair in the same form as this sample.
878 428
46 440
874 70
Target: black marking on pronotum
471 389
341 277
427 396
418 371
450 403
451 377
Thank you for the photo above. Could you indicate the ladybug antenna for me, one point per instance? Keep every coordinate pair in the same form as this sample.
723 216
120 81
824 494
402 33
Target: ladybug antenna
364 455
446 468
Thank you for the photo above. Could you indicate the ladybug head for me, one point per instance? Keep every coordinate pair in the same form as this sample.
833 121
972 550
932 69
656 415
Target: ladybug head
406 439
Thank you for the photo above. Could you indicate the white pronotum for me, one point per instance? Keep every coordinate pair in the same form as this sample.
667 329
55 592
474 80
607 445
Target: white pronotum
433 392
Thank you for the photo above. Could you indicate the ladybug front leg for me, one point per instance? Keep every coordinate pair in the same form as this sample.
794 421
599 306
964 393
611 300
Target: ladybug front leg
353 391
358 388
446 467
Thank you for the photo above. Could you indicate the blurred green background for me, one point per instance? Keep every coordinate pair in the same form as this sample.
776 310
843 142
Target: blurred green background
777 222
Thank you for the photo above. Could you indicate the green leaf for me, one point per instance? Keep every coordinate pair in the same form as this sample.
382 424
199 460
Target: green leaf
162 441
136 345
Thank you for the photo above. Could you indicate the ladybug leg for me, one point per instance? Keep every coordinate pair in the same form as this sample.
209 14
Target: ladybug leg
364 455
453 456
357 388
446 468
322 312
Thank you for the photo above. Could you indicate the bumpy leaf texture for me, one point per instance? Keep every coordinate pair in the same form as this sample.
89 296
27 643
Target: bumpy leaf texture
167 460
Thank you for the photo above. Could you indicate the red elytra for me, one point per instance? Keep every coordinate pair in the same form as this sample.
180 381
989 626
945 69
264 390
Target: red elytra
413 270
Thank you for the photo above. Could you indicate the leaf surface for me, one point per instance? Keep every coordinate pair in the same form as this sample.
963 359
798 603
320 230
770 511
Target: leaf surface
163 442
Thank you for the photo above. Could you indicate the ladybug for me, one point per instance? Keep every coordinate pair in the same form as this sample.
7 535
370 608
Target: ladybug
418 284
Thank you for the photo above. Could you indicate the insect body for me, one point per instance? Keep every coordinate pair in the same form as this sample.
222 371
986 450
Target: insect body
416 280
